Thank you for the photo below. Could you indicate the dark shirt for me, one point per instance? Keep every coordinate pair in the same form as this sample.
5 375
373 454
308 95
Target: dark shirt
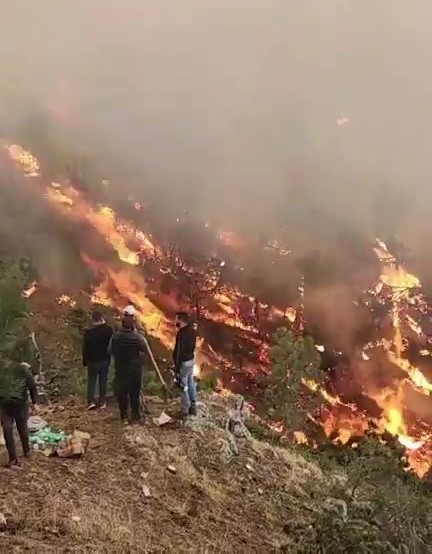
184 348
26 385
95 343
126 346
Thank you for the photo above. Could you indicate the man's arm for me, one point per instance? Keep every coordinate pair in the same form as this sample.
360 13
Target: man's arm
110 349
177 353
30 384
85 348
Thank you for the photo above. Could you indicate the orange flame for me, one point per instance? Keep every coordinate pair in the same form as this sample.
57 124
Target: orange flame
127 282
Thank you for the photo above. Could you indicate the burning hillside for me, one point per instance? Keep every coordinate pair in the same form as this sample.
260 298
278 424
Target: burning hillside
383 386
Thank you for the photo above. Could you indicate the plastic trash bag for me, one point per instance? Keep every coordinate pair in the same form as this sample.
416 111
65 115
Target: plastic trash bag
36 423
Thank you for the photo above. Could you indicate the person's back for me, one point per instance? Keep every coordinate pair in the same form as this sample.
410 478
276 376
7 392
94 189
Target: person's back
14 409
96 358
127 346
96 341
23 386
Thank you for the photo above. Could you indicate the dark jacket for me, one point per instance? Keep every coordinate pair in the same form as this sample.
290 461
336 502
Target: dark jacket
26 386
126 347
95 344
184 348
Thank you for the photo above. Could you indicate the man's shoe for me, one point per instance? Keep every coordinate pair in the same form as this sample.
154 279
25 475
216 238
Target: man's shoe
92 406
12 463
192 411
103 406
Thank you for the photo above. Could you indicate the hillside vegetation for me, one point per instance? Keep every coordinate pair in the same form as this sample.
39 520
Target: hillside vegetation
221 483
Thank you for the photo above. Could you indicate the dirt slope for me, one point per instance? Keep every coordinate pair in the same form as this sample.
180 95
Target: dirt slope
226 494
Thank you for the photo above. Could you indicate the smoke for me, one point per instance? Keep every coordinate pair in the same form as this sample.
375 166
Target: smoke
29 229
298 119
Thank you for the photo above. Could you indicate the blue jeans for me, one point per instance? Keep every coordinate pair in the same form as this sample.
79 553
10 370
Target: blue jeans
97 371
188 388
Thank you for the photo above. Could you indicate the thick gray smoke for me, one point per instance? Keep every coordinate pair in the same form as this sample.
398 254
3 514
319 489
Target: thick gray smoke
309 115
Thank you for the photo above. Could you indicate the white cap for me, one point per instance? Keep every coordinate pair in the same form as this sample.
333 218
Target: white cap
129 310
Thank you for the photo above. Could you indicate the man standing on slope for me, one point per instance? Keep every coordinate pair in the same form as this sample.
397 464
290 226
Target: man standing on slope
127 345
96 359
15 409
183 357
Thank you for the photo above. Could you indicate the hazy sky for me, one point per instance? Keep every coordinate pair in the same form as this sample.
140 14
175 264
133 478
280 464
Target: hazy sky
248 107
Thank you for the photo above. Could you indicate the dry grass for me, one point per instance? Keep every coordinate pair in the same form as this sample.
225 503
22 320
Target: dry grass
96 504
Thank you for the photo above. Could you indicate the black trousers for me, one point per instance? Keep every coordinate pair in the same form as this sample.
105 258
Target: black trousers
128 389
97 371
19 415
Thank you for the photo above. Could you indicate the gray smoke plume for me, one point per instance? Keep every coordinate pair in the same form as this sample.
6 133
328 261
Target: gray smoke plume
302 118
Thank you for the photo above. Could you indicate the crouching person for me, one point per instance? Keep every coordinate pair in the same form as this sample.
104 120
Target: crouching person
127 346
184 363
14 408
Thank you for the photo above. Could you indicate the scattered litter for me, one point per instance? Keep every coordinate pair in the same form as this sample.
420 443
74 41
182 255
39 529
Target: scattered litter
52 443
46 437
36 423
163 419
146 491
144 475
249 467
76 519
171 469
74 446
260 491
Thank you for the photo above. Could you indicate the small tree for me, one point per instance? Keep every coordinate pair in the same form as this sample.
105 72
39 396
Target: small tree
201 280
295 378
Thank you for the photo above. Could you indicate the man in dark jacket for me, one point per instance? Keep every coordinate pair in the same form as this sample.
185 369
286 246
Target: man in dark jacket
184 363
127 345
15 409
96 359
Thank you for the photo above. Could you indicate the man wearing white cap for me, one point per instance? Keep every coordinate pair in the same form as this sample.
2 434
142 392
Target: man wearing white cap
126 346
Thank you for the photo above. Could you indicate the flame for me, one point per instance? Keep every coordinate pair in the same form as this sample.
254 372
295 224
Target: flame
400 283
66 300
30 290
126 281
25 160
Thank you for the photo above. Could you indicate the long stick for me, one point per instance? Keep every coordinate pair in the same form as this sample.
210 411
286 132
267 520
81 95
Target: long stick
162 380
40 381
141 331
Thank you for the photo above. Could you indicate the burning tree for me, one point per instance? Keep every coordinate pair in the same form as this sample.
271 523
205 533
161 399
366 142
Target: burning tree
296 378
202 281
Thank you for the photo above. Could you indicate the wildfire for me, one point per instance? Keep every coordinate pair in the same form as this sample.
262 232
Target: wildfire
30 290
127 281
25 160
66 300
400 284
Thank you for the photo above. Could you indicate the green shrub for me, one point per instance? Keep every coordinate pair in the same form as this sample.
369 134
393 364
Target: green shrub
207 383
150 385
294 362
13 313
